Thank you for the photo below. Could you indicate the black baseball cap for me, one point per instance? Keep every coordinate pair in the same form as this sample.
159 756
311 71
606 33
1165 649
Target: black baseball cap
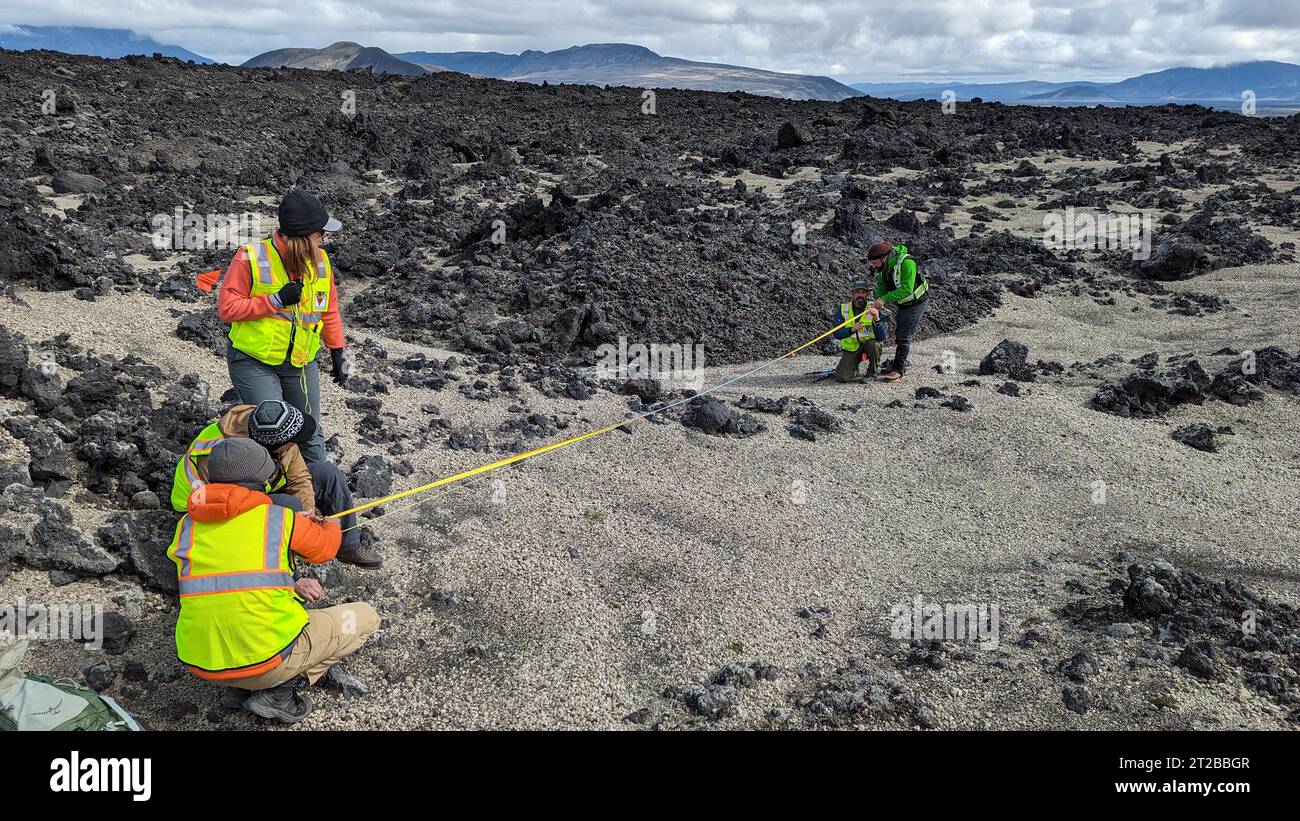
301 213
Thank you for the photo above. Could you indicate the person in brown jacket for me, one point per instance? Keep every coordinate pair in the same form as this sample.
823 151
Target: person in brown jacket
308 487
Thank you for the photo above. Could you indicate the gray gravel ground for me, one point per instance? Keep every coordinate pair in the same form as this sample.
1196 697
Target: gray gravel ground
601 580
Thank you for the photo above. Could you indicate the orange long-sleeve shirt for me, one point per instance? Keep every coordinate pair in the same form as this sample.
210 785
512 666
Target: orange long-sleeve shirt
236 304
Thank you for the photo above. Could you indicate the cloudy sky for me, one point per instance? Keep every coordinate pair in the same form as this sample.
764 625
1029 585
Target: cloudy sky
851 40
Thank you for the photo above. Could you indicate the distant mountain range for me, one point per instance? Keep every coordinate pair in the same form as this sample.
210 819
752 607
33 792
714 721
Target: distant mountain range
597 64
1273 83
623 64
95 42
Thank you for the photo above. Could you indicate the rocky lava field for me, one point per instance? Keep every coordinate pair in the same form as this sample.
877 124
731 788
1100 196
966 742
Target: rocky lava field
728 220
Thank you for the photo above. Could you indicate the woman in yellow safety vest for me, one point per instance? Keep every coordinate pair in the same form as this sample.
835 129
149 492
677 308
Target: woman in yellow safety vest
279 298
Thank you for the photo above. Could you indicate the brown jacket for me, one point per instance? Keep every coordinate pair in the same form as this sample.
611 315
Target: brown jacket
235 423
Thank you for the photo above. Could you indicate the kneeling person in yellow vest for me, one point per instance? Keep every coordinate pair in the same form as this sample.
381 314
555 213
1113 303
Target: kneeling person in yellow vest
280 428
242 622
291 476
861 335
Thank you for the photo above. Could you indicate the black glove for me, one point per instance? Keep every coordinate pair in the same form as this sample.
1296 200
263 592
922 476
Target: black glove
290 294
342 365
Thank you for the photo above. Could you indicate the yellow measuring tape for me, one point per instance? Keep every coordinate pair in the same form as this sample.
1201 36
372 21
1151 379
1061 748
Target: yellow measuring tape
519 457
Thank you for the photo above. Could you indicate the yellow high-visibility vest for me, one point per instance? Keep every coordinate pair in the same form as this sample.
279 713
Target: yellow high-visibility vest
239 611
850 342
268 339
186 477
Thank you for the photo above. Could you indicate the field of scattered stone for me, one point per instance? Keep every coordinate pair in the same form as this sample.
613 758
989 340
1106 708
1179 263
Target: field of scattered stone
1098 445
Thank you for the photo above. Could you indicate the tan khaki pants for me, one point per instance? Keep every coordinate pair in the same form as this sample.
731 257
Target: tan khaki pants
331 634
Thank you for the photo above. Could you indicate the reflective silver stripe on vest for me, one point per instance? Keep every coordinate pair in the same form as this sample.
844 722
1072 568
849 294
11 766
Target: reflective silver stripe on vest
917 292
192 473
284 316
274 536
263 264
229 582
204 444
309 319
915 295
185 544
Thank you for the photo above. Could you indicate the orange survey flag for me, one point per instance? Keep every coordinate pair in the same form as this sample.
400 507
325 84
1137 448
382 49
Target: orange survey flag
207 280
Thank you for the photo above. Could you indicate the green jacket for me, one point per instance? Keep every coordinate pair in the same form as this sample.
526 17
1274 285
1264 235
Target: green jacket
905 282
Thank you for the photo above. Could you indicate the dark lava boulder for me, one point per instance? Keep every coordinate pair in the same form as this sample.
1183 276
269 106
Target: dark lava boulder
371 477
71 182
1079 667
1197 658
1175 257
43 386
1271 366
711 700
1143 394
115 632
789 137
1026 169
39 531
99 676
1007 357
649 391
874 113
142 539
1204 242
13 361
810 420
1198 435
1076 699
1152 588
713 416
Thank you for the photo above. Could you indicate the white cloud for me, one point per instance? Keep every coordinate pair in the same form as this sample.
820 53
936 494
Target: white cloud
863 40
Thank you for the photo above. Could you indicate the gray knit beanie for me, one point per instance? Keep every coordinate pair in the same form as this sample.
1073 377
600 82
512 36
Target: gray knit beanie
239 460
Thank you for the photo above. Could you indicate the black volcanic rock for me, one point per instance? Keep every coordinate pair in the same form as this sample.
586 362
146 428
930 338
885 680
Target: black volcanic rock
1007 357
71 182
711 415
789 137
1142 394
1199 436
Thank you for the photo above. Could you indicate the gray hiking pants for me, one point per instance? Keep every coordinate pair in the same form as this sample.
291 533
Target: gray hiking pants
256 381
333 495
909 316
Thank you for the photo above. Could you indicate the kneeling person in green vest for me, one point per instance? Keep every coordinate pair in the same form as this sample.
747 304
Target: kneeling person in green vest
861 337
315 486
242 622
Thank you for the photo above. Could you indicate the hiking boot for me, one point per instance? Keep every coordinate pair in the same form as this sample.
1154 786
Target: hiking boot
891 376
366 558
282 702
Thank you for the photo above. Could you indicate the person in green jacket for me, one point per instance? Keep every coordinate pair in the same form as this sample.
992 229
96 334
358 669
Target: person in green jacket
900 284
